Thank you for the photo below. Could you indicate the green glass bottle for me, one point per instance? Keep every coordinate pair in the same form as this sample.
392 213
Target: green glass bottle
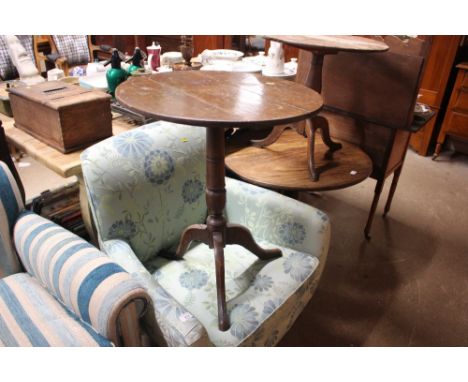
137 61
115 75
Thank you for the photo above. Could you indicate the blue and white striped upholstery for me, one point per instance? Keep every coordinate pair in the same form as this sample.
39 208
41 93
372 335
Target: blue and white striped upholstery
81 277
11 205
73 47
30 316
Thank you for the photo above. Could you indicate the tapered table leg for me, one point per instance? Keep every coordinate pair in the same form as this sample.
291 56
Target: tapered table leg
393 186
312 125
321 123
375 201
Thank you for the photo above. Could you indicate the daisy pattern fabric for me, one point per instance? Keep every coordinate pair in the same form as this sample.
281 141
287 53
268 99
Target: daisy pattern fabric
264 298
146 185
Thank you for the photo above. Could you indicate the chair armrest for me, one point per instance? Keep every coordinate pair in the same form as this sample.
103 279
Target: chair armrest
276 218
171 324
62 63
81 277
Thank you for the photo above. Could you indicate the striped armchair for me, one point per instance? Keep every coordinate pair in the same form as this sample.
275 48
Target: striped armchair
70 293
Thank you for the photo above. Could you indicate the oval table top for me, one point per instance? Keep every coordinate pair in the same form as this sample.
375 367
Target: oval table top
219 99
331 43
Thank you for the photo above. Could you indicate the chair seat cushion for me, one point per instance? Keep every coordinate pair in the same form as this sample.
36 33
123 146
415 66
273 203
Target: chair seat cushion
263 297
30 316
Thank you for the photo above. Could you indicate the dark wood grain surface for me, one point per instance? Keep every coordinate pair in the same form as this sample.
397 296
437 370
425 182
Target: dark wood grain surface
219 98
331 43
283 165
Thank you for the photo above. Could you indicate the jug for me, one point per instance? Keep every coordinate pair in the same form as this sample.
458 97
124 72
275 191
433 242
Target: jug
275 59
154 55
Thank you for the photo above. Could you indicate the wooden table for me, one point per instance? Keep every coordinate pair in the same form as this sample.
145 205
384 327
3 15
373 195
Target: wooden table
65 165
286 161
219 100
320 46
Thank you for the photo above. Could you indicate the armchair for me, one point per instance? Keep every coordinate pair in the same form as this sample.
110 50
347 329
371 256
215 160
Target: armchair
69 294
146 185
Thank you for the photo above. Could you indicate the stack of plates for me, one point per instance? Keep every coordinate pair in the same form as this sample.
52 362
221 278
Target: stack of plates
235 66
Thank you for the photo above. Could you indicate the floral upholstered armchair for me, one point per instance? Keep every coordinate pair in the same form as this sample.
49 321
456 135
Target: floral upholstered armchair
146 185
58 290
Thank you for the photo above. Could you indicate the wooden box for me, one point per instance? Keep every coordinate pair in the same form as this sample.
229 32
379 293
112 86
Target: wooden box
64 116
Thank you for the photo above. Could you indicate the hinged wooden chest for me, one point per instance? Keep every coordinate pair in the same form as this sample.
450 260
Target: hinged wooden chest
66 117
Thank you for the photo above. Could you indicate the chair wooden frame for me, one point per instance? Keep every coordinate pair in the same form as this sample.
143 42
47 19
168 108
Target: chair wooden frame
62 62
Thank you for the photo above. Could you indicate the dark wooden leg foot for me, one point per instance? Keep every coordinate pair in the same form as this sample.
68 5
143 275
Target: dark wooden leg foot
238 234
322 124
377 192
218 244
437 151
195 232
396 177
271 138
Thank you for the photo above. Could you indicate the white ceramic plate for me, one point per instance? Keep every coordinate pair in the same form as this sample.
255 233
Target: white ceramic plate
288 73
239 66
259 59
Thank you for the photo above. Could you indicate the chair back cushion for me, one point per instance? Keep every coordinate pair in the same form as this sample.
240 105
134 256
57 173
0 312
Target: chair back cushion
7 69
76 273
147 185
73 47
11 205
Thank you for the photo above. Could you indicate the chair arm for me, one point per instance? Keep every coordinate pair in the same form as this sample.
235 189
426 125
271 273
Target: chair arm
81 277
62 63
276 218
171 324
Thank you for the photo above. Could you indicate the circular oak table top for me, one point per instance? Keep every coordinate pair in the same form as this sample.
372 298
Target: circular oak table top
331 44
283 165
219 99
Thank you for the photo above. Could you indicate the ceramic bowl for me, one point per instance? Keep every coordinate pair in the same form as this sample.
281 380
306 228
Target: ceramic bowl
259 59
222 54
170 58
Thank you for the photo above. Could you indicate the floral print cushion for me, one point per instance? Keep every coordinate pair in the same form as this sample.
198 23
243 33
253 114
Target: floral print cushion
277 218
147 185
255 289
173 325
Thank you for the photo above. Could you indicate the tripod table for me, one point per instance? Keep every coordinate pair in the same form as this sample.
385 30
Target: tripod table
219 100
